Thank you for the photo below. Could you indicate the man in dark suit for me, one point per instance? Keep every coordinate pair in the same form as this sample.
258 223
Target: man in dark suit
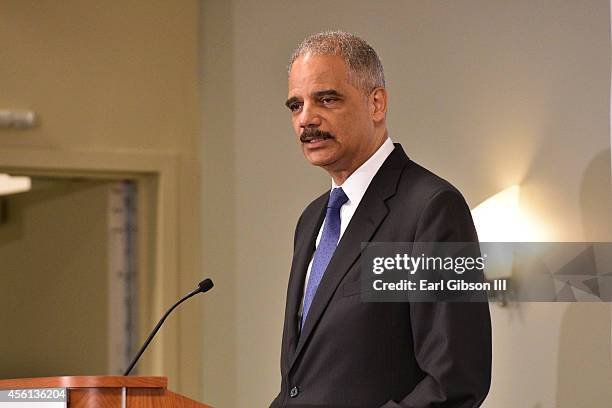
338 351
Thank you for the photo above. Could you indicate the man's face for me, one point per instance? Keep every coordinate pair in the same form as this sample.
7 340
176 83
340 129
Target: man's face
331 117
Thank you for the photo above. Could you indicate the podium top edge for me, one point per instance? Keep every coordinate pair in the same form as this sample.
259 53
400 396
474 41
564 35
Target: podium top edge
89 381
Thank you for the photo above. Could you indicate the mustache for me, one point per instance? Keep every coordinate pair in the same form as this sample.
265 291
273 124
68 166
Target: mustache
311 133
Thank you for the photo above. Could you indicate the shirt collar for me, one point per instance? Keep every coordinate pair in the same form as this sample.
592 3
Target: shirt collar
357 183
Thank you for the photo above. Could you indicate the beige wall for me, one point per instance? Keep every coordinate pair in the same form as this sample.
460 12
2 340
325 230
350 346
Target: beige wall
219 230
485 93
116 88
101 75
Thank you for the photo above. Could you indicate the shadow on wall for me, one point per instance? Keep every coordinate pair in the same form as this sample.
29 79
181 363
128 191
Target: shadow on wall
584 372
596 198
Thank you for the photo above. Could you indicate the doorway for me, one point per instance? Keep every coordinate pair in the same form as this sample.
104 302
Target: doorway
69 252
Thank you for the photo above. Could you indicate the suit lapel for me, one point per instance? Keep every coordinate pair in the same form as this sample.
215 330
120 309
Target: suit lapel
370 214
304 250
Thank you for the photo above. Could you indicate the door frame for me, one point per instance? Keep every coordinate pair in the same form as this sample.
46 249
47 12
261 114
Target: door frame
157 176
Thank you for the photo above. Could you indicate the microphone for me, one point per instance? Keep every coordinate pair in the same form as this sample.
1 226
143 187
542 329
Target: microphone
203 286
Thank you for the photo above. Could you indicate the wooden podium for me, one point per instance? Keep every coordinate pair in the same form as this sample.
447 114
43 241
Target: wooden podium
109 391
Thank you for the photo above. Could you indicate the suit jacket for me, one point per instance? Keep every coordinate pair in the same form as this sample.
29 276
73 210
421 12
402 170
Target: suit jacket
358 354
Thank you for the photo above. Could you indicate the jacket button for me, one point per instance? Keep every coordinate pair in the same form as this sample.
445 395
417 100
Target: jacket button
294 392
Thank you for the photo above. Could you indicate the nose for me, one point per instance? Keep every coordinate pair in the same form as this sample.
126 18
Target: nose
309 116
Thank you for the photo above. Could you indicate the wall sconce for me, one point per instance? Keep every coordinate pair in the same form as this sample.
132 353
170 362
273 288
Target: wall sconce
500 218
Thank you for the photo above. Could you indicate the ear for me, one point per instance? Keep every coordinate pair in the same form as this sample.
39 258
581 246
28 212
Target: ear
378 104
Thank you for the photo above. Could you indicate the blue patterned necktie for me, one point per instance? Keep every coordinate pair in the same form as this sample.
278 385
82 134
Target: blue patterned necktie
326 248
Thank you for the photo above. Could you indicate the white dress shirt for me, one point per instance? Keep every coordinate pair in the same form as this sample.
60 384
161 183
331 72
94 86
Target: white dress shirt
355 187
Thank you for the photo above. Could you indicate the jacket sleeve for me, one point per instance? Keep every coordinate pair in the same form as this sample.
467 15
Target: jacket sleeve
452 340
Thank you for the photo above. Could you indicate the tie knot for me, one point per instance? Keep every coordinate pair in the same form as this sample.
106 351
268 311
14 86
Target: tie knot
337 198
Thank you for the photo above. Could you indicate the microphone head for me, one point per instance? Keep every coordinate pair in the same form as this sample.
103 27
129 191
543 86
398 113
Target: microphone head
205 285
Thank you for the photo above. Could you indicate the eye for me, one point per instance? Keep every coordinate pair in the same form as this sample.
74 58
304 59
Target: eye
295 106
328 100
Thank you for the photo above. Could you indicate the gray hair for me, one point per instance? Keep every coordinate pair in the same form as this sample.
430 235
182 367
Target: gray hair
365 71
